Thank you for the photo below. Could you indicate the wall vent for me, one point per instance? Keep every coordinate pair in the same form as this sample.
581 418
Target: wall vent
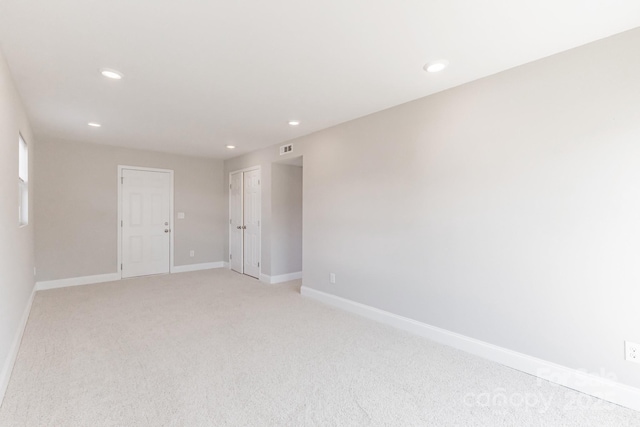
286 149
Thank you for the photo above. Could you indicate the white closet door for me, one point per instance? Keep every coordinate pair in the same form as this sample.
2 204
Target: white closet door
235 223
146 242
252 218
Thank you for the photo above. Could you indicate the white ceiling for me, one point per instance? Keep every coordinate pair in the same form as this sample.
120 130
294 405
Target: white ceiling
203 74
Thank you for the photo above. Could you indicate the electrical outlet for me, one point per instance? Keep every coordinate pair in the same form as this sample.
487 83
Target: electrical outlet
192 253
632 351
332 277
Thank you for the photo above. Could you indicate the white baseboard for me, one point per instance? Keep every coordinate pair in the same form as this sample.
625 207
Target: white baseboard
5 375
196 267
226 265
77 281
112 277
584 382
272 280
286 277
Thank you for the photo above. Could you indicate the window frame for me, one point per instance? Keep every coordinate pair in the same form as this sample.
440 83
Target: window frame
23 182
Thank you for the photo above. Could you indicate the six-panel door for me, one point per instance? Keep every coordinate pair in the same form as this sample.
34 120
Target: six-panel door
146 215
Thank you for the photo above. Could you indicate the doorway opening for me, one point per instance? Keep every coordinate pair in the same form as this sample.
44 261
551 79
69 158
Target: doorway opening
286 220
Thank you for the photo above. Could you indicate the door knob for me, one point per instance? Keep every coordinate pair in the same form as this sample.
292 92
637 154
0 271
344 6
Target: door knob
238 227
244 227
166 230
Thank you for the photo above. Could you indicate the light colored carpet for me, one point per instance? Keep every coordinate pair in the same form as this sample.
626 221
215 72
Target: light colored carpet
214 348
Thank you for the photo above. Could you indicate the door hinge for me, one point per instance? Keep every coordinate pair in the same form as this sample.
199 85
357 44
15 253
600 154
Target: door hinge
229 186
120 266
258 264
230 256
122 180
121 223
258 182
230 221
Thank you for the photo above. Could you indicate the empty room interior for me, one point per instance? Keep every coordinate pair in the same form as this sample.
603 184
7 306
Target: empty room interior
330 213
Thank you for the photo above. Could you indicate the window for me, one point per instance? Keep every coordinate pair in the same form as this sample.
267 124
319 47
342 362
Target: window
23 182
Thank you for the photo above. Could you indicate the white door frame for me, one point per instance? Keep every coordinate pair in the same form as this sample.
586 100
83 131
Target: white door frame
250 168
119 223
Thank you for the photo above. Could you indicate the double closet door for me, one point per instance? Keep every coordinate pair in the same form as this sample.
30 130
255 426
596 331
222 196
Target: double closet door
244 222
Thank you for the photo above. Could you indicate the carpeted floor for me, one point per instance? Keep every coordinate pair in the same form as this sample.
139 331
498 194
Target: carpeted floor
214 348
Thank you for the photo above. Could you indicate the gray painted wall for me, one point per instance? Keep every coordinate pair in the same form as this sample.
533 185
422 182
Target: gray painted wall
16 243
286 219
505 209
76 234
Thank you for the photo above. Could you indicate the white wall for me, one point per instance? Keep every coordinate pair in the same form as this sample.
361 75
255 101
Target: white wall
286 219
16 244
76 233
506 209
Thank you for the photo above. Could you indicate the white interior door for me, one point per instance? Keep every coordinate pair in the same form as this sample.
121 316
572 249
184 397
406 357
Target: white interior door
251 228
244 222
146 219
236 223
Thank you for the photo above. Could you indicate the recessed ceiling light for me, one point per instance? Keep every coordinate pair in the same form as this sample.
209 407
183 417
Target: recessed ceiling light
435 66
94 125
294 123
111 74
231 147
